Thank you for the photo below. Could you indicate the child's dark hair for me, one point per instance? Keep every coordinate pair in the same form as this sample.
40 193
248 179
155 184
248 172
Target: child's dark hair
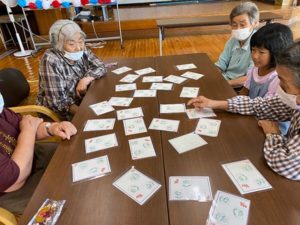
275 37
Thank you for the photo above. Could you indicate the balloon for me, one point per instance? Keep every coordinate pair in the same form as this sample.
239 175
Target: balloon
84 2
65 4
76 3
32 5
39 4
46 4
22 3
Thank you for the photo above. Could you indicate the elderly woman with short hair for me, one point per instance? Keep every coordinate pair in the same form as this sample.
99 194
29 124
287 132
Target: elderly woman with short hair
235 60
67 69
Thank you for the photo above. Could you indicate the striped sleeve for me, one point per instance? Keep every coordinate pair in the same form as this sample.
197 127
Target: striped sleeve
96 67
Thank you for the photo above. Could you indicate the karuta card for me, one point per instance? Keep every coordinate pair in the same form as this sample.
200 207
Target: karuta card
144 93
187 142
172 108
99 124
184 188
228 209
134 126
137 186
189 92
100 143
164 124
208 127
120 101
121 70
192 75
196 113
148 79
129 78
246 177
145 71
141 148
91 168
186 66
129 113
161 86
125 87
175 79
101 108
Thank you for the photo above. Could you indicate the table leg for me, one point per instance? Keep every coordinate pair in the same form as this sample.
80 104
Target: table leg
160 40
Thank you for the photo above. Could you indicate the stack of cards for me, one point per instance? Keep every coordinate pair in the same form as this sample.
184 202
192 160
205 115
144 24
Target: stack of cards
101 143
208 127
196 113
189 92
141 148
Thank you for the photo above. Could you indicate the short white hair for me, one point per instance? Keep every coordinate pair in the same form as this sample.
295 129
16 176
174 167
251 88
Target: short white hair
248 8
63 30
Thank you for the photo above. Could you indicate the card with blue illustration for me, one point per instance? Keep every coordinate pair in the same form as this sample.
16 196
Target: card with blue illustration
100 143
141 148
208 127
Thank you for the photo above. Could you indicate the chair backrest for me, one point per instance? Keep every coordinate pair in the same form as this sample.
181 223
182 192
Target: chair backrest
13 86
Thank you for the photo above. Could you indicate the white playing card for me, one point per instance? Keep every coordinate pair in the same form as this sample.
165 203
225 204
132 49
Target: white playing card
141 148
195 188
100 143
187 142
161 86
175 79
186 66
125 87
172 108
137 186
121 70
164 124
101 108
120 101
189 92
228 209
144 93
90 169
99 124
129 113
208 127
196 113
246 177
192 75
145 71
148 79
129 78
134 126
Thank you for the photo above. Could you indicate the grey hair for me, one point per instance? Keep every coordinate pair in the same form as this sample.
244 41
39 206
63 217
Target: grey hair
63 30
290 58
248 8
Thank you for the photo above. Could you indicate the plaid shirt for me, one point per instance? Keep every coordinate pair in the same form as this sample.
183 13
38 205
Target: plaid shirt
58 78
281 152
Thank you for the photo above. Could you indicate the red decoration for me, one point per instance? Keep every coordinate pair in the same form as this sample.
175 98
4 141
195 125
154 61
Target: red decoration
84 2
55 4
32 5
104 1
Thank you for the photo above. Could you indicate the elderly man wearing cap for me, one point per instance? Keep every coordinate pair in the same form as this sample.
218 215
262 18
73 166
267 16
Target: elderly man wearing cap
67 69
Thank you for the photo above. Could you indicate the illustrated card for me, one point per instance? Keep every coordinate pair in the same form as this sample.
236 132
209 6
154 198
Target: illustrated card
196 113
141 148
134 126
99 124
149 79
146 93
125 87
186 66
145 71
187 142
184 188
192 75
172 108
91 168
189 92
164 124
161 86
120 101
246 177
228 209
208 127
100 143
129 78
137 186
121 70
101 108
129 113
175 79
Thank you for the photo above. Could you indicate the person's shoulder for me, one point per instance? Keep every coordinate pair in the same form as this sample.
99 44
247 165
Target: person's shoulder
51 55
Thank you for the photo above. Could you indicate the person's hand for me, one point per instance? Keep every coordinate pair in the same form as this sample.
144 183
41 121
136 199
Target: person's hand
30 122
82 86
269 127
201 102
63 129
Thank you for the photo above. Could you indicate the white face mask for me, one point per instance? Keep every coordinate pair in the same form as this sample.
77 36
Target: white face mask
288 99
241 34
74 56
1 103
